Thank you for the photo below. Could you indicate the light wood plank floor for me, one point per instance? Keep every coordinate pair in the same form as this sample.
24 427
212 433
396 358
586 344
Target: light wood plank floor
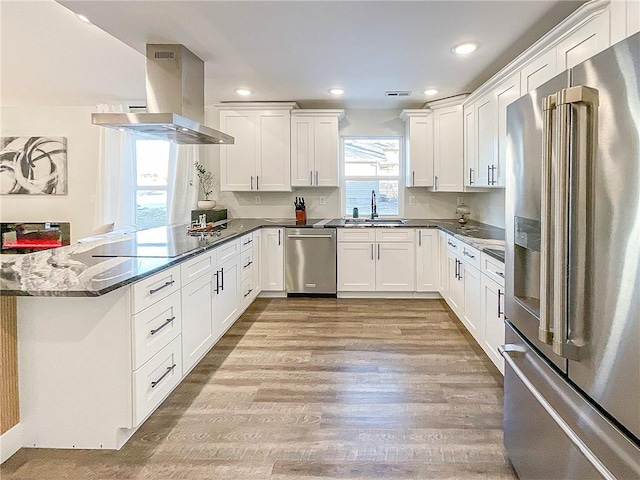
316 388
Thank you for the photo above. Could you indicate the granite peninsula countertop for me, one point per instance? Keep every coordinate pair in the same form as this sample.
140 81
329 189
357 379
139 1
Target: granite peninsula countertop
75 271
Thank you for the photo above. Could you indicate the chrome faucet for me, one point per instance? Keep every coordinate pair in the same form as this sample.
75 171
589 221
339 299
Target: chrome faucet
374 212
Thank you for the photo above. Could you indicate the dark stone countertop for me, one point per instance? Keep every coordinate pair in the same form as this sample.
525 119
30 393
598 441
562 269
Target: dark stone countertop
74 271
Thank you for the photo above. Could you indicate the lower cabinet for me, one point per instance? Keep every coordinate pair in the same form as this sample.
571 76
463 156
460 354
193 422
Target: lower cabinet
455 286
226 302
443 264
198 330
395 267
472 315
272 259
427 260
356 267
492 308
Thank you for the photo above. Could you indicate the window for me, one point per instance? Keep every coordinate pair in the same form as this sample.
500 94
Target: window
371 164
152 170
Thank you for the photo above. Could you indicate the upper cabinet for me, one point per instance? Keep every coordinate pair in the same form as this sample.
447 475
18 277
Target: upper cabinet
583 43
418 147
315 148
448 150
625 19
260 158
538 71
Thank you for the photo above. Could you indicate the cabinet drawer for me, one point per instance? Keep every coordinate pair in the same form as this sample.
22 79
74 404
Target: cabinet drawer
453 245
156 379
470 255
150 290
246 242
365 234
492 268
196 267
246 264
394 235
227 251
155 327
246 290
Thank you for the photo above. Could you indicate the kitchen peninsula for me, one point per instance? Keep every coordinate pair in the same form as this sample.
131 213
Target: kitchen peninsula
123 331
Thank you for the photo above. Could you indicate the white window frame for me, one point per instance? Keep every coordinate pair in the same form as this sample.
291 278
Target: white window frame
401 179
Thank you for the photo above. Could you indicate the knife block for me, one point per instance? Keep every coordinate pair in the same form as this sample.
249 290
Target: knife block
301 217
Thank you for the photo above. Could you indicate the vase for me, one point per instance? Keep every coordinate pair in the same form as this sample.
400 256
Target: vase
206 204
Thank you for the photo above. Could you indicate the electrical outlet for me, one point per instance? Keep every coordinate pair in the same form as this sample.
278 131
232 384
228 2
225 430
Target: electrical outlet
323 201
258 200
412 200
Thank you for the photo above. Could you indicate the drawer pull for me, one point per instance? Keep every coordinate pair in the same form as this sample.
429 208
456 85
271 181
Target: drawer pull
248 293
247 265
451 244
247 242
500 274
167 322
169 370
469 255
167 284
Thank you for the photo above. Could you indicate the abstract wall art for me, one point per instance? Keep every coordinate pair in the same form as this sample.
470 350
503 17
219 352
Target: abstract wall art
33 165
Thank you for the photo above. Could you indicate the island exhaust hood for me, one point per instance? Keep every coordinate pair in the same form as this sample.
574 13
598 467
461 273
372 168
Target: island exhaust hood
175 100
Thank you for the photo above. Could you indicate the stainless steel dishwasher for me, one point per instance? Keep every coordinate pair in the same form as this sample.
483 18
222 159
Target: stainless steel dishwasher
310 261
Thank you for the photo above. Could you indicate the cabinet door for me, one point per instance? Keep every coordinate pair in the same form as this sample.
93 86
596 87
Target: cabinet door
419 134
470 152
198 329
472 317
448 158
506 93
302 151
228 300
395 267
538 71
272 259
625 19
590 39
492 308
256 247
455 297
356 267
443 287
427 260
273 150
486 139
238 161
326 152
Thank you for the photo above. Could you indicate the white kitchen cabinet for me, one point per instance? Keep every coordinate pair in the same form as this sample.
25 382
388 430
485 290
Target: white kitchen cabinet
583 43
315 149
448 154
492 310
625 19
470 152
427 260
455 290
443 286
260 158
485 139
506 93
418 148
256 248
472 316
395 267
198 331
538 71
227 301
272 259
356 266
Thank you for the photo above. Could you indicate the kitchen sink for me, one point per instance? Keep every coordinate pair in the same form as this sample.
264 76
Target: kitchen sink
376 222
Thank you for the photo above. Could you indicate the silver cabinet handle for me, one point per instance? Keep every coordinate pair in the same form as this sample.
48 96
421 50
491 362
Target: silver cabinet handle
257 182
247 265
470 176
436 183
508 351
451 244
167 284
317 178
488 174
372 252
167 322
247 242
378 251
222 279
309 236
500 274
500 312
169 370
468 254
413 179
419 238
279 241
251 182
217 274
310 177
248 293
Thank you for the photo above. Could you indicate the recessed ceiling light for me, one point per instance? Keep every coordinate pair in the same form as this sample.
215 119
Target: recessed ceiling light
83 18
464 48
184 129
337 91
430 91
243 91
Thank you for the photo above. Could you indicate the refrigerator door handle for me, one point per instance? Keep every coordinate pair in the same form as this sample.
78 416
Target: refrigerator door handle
545 333
508 351
562 345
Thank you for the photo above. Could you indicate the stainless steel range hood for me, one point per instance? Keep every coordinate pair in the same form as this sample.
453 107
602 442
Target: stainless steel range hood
175 100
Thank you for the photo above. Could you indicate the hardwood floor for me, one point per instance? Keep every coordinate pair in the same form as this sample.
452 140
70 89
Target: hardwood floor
316 388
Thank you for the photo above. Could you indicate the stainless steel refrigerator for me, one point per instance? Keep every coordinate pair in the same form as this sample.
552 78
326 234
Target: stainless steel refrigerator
572 349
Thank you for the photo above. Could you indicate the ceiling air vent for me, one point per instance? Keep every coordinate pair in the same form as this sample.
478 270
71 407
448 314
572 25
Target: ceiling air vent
397 93
165 54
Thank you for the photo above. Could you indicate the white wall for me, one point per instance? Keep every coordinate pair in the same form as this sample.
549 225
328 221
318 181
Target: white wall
82 159
280 205
487 207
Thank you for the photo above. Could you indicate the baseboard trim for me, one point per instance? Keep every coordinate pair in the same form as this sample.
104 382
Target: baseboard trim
268 294
425 295
10 442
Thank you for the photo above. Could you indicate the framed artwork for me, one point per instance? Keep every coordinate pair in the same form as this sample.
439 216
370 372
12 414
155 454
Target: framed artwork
33 165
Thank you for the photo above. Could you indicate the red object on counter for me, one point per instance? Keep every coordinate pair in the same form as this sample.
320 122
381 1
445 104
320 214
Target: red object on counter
301 217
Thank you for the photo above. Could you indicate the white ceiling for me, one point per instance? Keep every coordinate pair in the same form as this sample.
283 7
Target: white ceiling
293 50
